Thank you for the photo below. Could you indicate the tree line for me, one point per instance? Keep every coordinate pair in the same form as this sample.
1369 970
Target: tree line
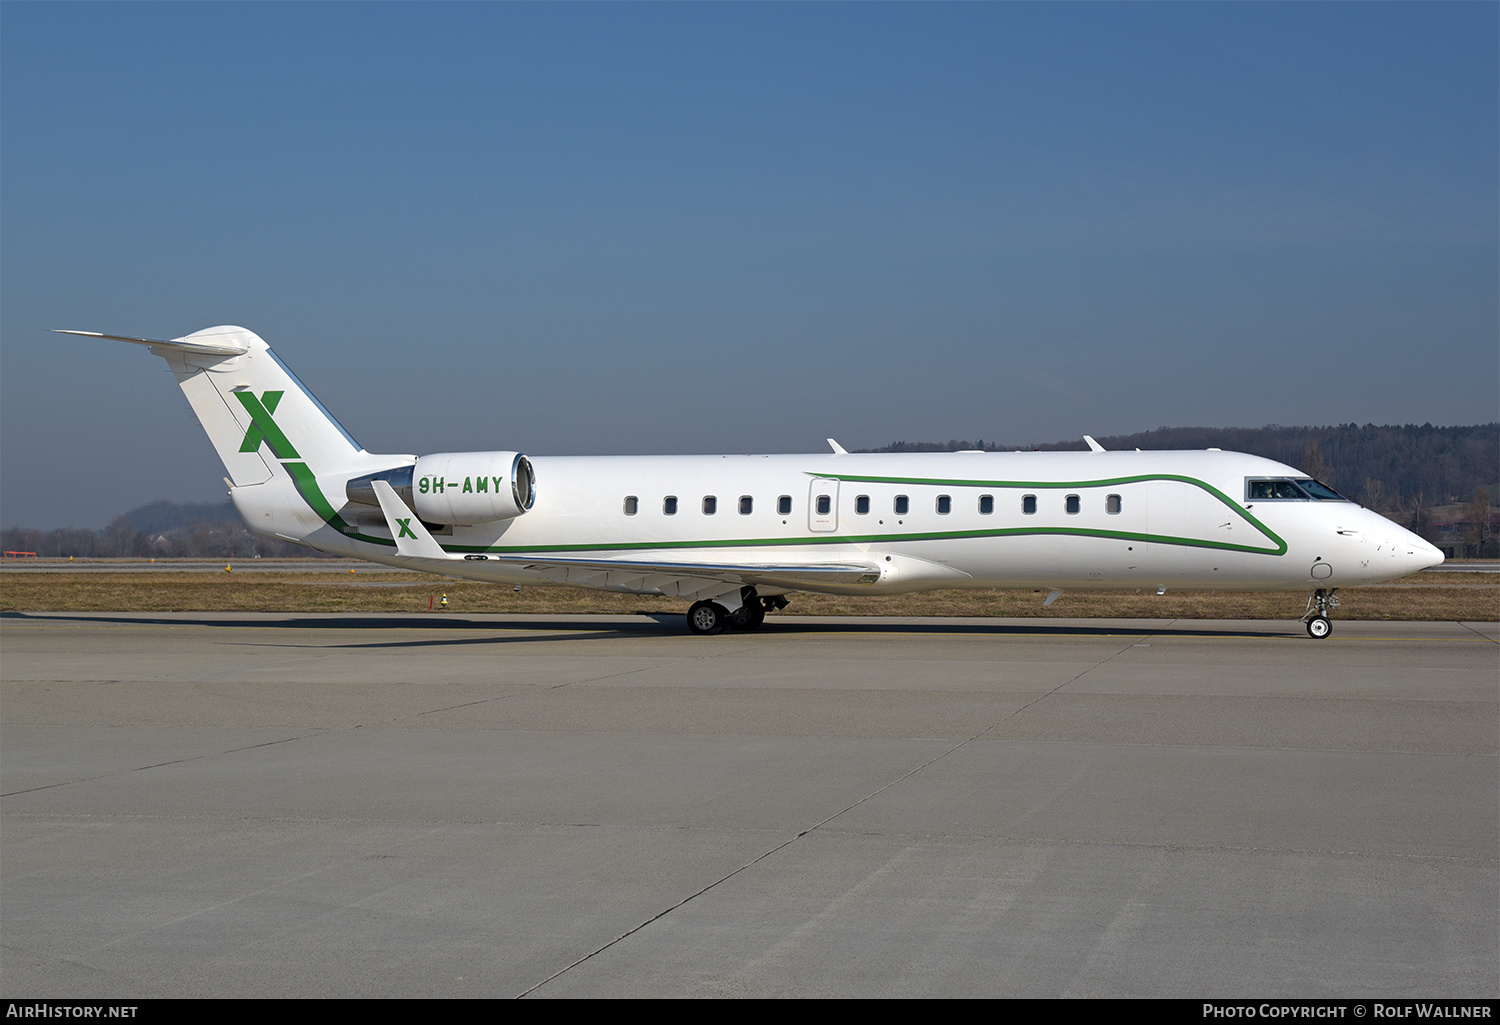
161 530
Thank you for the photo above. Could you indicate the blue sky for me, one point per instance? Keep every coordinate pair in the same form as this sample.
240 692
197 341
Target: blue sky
634 228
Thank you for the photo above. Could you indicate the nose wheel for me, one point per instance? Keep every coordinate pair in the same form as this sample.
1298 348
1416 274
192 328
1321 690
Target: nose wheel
1319 605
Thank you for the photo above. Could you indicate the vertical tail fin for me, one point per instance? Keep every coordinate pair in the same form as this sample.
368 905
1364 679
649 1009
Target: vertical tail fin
257 414
284 452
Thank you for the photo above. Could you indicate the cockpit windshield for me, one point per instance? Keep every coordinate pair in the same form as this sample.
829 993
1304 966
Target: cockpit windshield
1282 489
1317 489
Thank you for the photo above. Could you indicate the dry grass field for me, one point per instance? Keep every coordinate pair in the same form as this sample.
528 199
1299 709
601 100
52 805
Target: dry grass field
1424 596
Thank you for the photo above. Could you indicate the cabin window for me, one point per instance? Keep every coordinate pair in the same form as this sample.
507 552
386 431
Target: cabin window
784 505
944 504
824 505
986 504
710 504
902 505
862 505
1112 505
1073 505
669 505
1028 505
747 504
631 504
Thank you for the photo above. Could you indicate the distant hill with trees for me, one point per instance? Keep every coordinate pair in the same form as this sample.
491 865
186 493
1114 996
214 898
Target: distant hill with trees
161 530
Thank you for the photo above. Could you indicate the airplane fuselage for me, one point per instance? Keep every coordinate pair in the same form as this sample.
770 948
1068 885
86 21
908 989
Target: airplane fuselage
1067 520
735 534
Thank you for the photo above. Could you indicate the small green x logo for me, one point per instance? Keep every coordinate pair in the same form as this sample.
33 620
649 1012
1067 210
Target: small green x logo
405 528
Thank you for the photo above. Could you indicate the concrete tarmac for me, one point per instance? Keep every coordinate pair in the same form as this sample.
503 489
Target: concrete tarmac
374 805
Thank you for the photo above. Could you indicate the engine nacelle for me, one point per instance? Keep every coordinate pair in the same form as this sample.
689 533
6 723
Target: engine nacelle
472 487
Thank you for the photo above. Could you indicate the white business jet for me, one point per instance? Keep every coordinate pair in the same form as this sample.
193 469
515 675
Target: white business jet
736 534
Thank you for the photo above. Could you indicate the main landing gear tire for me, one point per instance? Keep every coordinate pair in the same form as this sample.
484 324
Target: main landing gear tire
1319 627
707 617
748 617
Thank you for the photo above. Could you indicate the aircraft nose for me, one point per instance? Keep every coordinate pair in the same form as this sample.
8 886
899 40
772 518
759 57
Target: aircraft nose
1409 553
1417 553
1427 554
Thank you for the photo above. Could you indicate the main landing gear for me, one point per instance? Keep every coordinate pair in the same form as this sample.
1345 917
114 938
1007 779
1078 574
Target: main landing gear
709 617
1319 605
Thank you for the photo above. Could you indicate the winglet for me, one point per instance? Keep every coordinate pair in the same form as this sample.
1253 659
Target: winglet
1094 446
838 449
412 539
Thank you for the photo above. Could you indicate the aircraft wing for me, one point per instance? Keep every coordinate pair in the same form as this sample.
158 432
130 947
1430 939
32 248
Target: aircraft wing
684 576
680 576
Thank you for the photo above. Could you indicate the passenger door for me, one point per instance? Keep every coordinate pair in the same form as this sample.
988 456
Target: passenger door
823 505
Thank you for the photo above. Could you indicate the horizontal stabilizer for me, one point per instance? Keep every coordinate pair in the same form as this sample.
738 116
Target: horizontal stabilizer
200 348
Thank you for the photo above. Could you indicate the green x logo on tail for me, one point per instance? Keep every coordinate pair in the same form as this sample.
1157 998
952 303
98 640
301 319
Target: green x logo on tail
405 528
262 427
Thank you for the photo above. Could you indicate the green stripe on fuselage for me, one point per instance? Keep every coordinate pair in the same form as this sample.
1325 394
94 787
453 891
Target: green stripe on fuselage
1106 482
307 487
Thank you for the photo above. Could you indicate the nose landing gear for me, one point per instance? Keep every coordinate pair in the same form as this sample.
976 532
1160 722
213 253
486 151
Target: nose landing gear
1319 605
